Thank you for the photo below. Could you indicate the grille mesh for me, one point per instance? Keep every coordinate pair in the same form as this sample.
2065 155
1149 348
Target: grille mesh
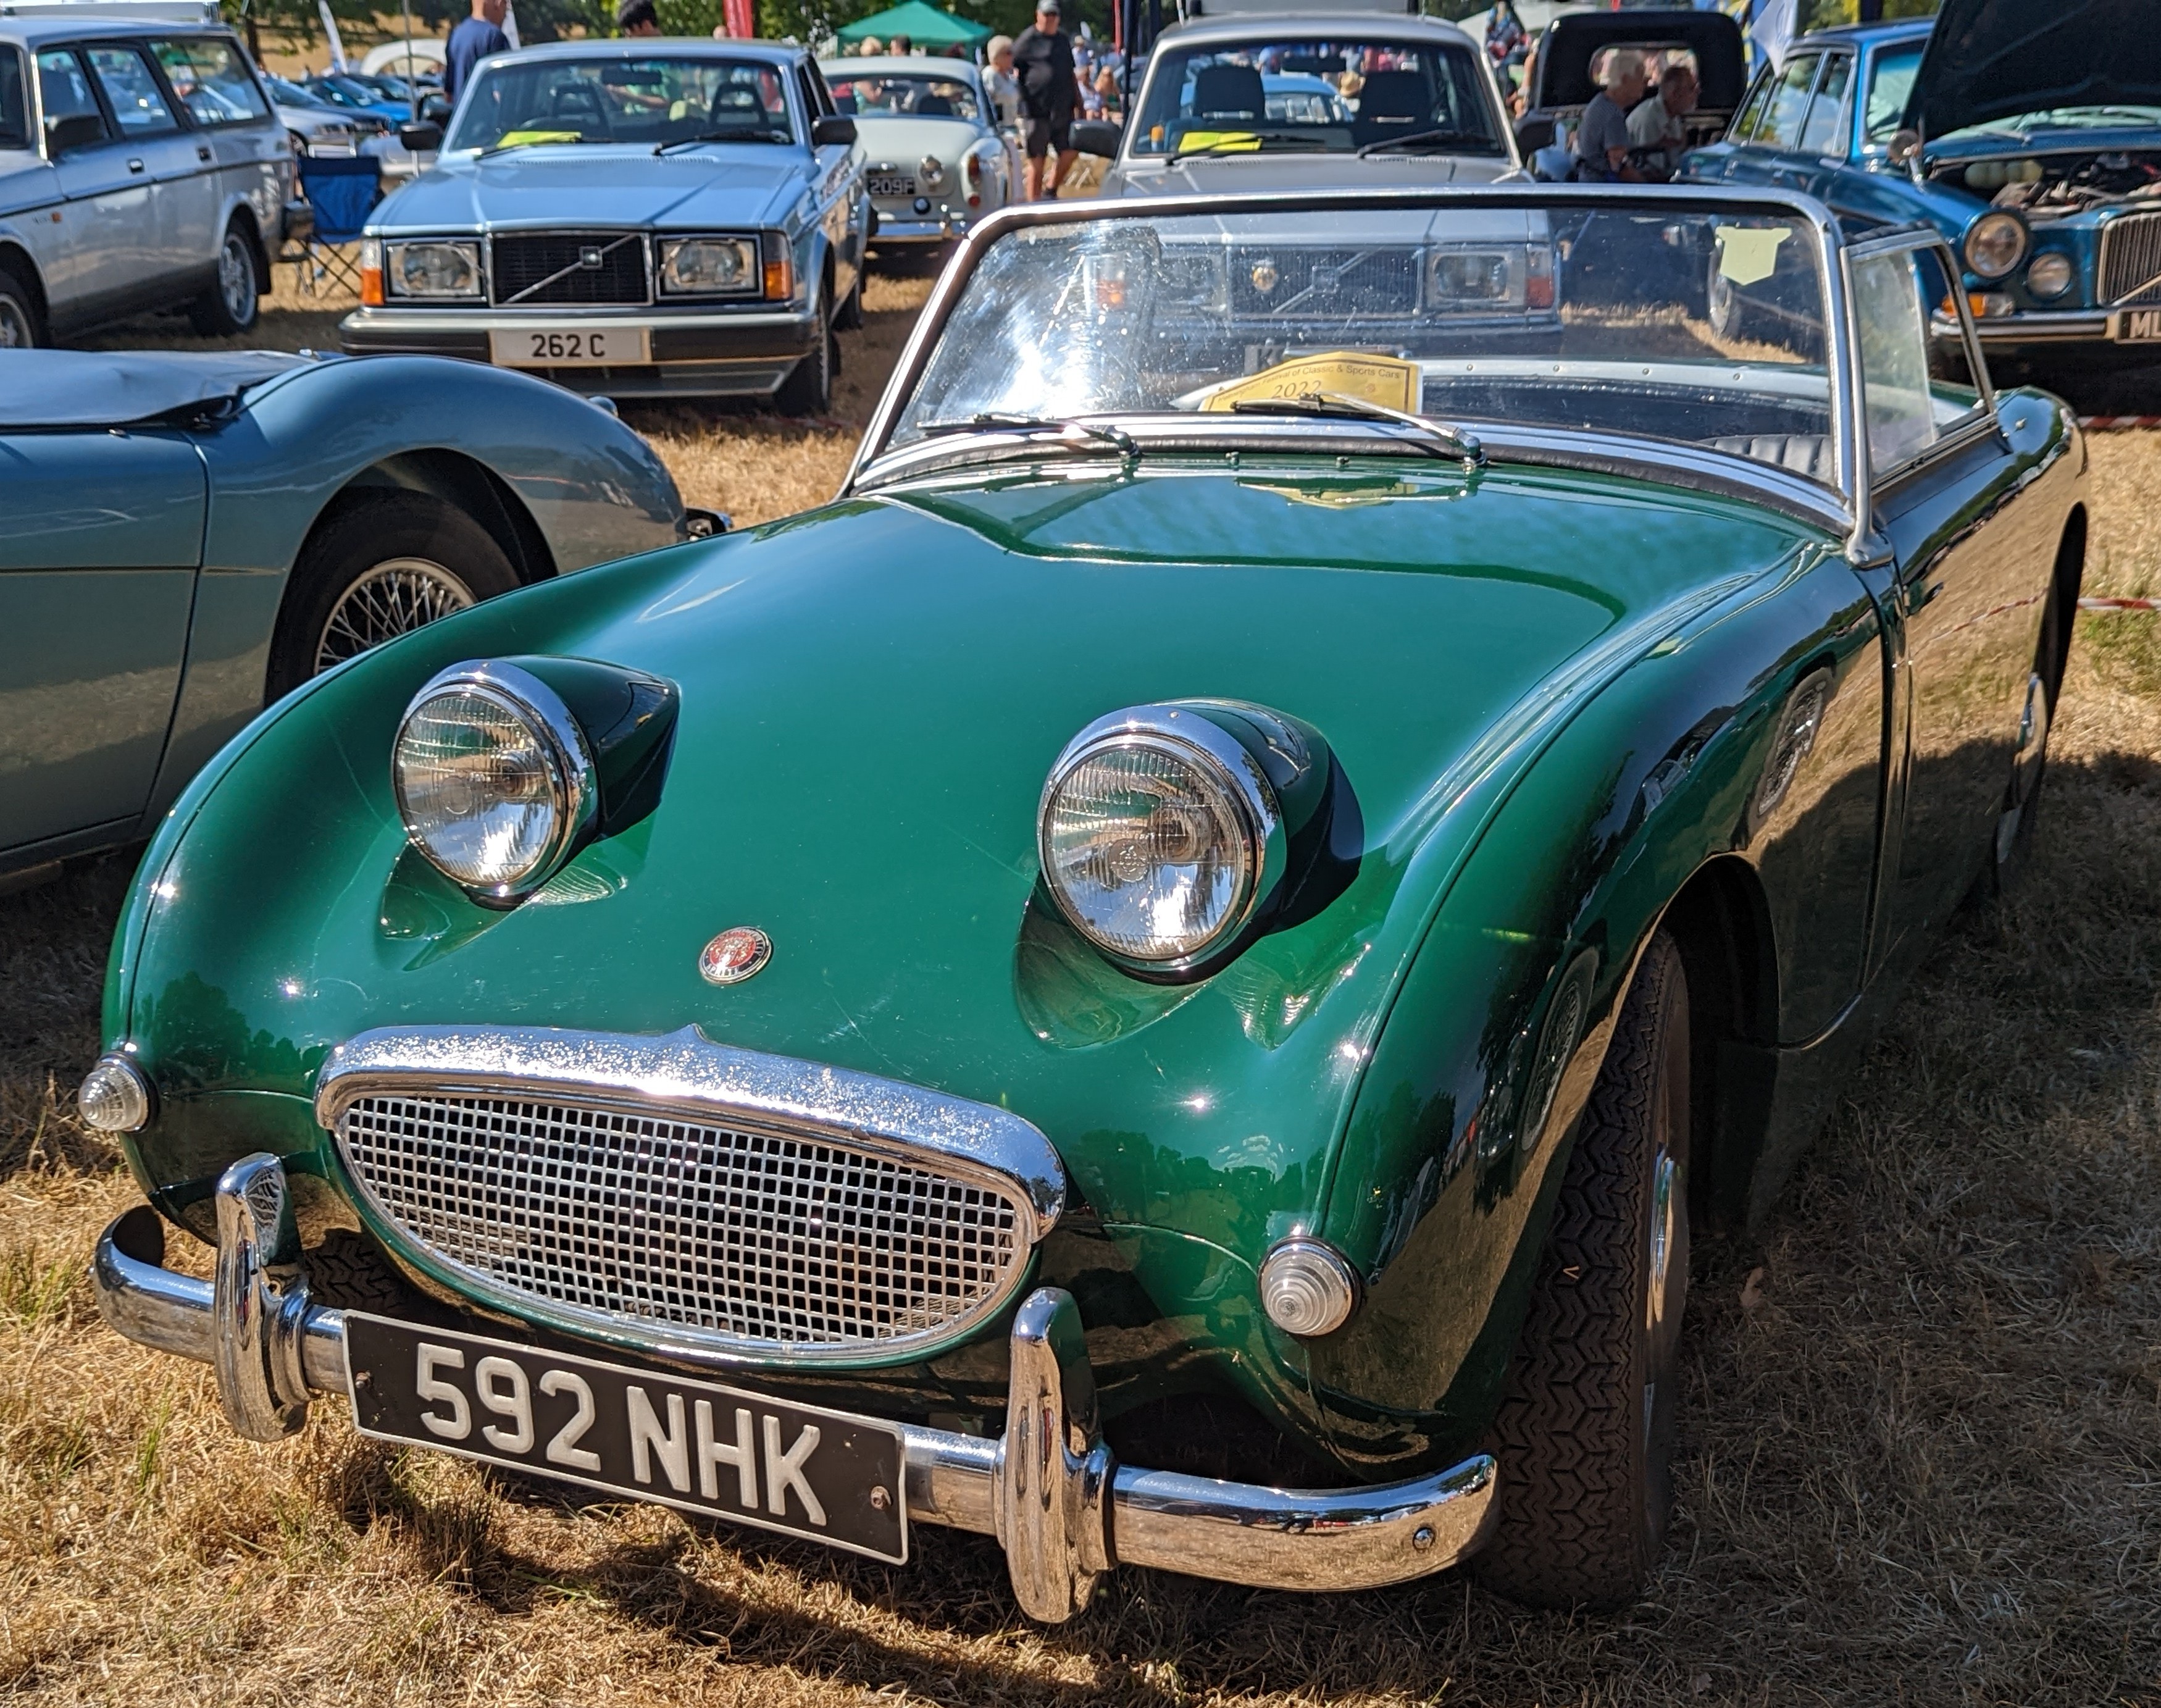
1324 283
523 260
807 1241
2131 261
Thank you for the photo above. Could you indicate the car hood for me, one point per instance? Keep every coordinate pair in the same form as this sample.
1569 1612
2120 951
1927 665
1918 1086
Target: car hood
95 388
906 140
1228 175
872 695
568 186
1989 61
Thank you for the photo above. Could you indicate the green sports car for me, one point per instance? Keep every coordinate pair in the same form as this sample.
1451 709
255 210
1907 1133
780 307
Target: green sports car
1167 978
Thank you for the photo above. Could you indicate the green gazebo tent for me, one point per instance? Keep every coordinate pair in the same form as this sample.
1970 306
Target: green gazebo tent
927 27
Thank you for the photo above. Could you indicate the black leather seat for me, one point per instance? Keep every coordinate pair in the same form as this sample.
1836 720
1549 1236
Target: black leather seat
1229 91
1393 104
934 106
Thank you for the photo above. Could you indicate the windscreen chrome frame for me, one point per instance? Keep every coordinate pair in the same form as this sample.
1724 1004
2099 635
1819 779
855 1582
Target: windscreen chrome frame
1841 356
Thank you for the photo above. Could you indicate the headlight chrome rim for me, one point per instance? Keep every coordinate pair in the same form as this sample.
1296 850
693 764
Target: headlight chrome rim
566 754
1183 735
2004 263
2051 274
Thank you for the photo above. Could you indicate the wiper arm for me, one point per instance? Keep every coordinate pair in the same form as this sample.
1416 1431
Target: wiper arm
1420 139
1445 439
992 421
718 137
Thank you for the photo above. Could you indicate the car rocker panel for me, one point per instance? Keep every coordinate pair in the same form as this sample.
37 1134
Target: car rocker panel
940 1120
712 262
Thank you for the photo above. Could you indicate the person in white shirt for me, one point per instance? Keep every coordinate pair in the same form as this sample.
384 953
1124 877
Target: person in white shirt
1003 87
1660 120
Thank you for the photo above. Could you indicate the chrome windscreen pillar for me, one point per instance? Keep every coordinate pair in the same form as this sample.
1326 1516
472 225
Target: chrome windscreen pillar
1053 1476
259 1302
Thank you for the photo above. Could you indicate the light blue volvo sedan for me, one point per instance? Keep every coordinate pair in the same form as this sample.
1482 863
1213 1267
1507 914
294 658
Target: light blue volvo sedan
645 218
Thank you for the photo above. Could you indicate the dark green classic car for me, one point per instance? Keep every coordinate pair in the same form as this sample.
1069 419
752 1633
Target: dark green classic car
1167 978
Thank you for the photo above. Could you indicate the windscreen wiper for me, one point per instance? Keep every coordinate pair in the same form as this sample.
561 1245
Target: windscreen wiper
992 421
1425 139
718 137
1444 440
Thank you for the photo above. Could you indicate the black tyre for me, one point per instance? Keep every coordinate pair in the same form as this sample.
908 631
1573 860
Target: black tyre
382 564
1726 308
849 318
349 1272
20 326
233 300
1585 1432
808 390
2011 853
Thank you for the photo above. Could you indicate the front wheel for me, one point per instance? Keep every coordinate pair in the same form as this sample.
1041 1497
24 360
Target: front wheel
19 316
233 301
1585 1432
1724 306
383 564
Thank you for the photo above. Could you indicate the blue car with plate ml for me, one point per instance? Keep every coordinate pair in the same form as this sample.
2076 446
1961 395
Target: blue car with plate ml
646 218
2027 133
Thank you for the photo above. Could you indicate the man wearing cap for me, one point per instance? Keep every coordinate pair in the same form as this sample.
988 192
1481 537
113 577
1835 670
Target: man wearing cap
1049 93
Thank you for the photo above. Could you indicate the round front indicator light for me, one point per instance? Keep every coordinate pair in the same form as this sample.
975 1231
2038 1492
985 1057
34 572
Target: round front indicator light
493 780
1307 1288
1995 244
114 1096
2050 275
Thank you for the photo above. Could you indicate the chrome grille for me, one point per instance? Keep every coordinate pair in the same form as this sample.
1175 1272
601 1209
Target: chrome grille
2131 261
564 268
1324 283
805 1240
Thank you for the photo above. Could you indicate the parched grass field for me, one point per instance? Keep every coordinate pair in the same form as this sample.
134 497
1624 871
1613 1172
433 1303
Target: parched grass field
1922 1449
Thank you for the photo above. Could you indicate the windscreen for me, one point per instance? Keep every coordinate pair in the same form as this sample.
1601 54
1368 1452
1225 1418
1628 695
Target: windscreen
1891 76
1316 96
904 94
1619 319
667 98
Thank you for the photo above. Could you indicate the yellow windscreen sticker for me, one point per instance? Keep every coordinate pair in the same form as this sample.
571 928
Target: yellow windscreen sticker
1387 380
519 139
1747 253
1220 142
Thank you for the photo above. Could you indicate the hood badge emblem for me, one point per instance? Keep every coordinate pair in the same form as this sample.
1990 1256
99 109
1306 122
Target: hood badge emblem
736 954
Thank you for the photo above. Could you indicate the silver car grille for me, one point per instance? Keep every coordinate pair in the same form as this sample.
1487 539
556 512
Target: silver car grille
734 1235
1324 284
2130 272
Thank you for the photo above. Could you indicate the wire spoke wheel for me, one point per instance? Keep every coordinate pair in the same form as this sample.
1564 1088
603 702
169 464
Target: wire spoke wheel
395 597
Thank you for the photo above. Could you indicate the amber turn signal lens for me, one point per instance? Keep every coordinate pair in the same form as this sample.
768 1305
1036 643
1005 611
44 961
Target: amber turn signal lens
779 279
371 287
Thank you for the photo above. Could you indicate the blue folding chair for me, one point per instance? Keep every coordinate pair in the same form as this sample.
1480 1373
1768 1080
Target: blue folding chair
342 189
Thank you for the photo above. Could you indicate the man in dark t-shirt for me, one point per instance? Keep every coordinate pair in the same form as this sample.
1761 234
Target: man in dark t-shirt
473 41
1050 94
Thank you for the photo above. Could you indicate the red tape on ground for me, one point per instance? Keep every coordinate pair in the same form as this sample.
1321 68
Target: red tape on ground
2120 424
2120 604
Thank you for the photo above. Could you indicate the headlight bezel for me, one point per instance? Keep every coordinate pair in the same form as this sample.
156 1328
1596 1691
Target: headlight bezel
2069 267
1184 734
467 249
573 772
667 251
1995 219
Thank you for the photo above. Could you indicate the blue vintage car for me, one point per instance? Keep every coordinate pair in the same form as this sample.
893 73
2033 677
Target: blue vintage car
641 217
2031 139
184 537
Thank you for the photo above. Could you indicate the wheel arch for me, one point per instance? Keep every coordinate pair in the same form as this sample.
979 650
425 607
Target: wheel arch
460 480
20 264
240 208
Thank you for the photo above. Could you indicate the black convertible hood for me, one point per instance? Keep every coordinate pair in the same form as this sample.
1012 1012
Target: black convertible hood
116 389
1992 59
1571 41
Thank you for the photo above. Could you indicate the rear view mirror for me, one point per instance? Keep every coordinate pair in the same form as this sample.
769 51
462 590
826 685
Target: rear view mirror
833 131
1097 136
1904 145
423 138
77 130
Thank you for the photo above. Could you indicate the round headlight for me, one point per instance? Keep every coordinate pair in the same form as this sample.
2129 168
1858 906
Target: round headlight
1307 1288
1995 243
2050 274
1157 832
933 170
493 779
114 1096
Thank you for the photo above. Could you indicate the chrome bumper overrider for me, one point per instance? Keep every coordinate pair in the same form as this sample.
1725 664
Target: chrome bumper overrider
1064 1510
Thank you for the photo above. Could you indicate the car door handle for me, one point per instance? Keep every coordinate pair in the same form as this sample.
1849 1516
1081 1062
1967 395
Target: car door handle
201 153
134 165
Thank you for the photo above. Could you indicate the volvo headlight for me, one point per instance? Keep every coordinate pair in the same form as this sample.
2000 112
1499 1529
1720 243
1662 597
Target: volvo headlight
710 267
1159 833
1995 243
494 778
434 269
2051 274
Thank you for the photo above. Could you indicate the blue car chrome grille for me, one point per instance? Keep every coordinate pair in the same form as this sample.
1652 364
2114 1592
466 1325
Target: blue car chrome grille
540 269
2130 274
755 1239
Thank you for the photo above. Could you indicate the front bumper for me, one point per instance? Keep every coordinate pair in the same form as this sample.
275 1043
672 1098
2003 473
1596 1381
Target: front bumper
1049 1490
2035 327
903 224
694 355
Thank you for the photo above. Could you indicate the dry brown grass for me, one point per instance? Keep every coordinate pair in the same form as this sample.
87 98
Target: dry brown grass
1920 1456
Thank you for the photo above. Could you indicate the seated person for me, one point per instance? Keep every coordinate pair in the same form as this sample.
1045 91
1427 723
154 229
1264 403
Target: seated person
1601 136
1658 129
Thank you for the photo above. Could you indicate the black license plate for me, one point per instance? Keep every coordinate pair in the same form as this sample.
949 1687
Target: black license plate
800 1470
883 184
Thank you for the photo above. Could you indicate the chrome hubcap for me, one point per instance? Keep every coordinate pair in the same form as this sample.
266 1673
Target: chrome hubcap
14 330
397 597
235 276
